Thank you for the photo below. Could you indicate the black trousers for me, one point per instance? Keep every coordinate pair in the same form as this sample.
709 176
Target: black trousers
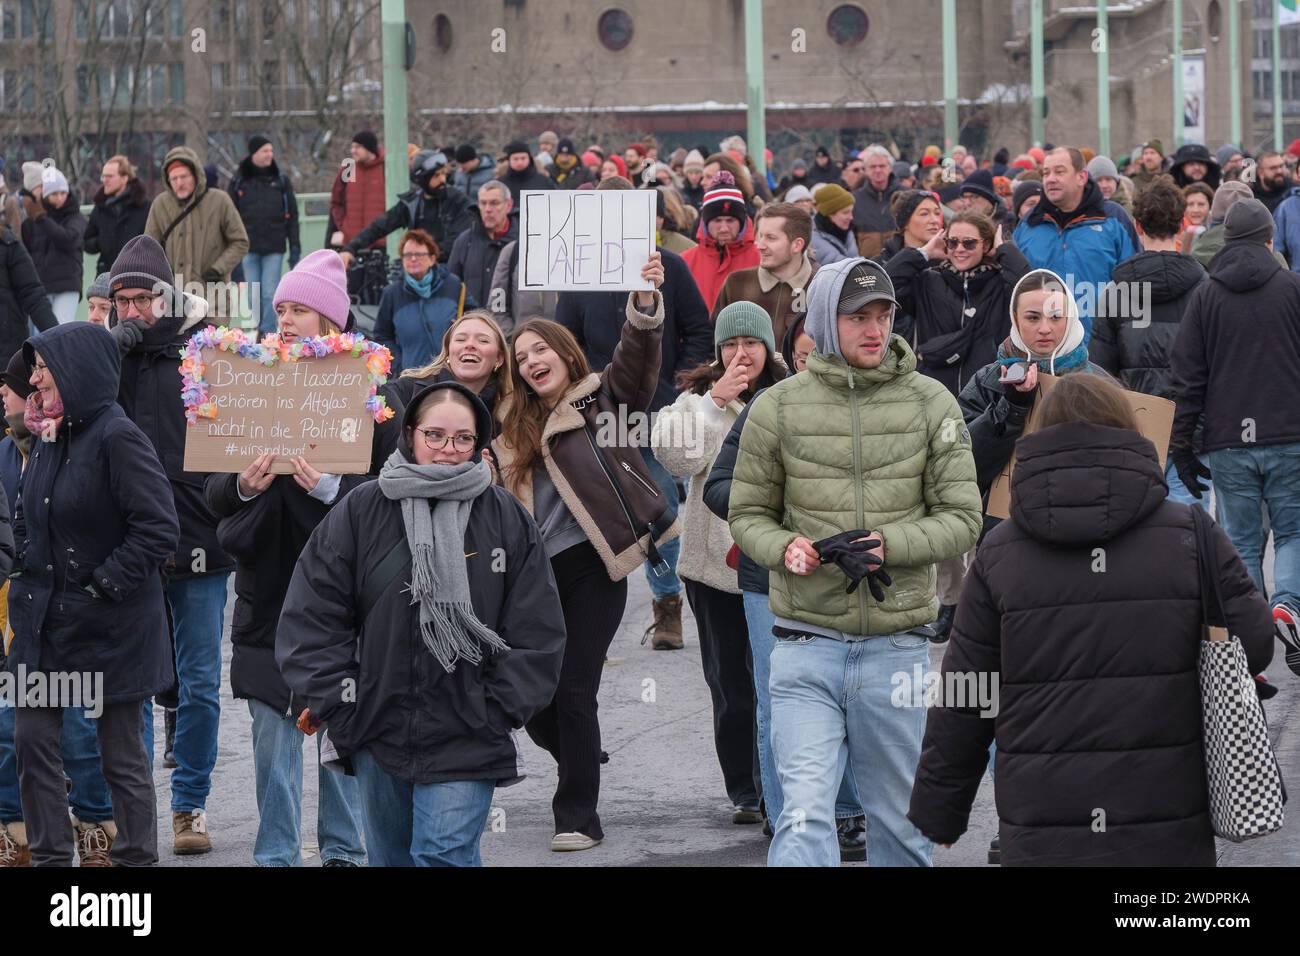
37 735
729 672
568 728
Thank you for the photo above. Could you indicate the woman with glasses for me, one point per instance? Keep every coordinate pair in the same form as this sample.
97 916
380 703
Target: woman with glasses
94 525
418 308
422 627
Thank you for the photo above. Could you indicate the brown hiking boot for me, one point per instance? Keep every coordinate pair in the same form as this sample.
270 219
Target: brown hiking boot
190 828
14 850
94 840
667 626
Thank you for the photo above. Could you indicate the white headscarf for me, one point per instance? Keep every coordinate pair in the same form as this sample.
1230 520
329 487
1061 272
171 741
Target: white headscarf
1074 332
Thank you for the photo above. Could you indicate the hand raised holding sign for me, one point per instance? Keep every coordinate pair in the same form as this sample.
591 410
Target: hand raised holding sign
304 474
257 477
652 271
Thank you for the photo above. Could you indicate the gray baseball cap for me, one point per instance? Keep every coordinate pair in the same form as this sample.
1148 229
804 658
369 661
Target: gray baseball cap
866 282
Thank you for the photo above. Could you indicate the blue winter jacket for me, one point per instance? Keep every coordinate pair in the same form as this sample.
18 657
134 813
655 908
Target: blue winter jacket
1083 253
1286 238
413 327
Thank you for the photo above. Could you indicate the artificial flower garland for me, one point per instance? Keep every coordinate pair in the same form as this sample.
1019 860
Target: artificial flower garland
269 351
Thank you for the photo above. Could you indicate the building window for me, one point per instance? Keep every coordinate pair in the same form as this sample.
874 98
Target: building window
220 77
847 25
37 20
177 18
442 32
176 81
83 20
221 20
8 21
615 29
269 17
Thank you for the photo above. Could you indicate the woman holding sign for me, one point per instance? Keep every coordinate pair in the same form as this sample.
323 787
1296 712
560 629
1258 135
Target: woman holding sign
422 627
94 525
265 521
570 451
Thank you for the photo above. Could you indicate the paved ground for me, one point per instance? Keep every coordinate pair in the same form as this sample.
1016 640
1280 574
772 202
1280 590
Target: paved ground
662 799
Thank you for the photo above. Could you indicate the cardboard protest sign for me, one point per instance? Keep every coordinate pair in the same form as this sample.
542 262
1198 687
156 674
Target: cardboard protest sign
1155 418
585 240
245 400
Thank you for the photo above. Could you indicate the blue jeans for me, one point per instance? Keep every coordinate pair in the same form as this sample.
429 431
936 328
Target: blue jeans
758 615
277 764
198 615
1245 477
831 706
262 272
89 798
432 824
1178 491
667 584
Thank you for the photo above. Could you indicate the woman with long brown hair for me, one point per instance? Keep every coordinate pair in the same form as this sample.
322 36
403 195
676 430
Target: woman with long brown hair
569 450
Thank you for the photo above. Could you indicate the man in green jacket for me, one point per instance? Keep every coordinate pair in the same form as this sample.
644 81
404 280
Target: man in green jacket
859 443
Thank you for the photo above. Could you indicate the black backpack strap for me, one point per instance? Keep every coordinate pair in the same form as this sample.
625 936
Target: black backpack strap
1211 596
397 560
181 218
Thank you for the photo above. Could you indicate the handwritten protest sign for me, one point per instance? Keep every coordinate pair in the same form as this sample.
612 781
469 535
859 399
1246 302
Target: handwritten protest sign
585 240
1155 420
243 402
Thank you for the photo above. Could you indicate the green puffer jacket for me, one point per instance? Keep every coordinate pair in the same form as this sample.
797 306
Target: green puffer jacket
837 449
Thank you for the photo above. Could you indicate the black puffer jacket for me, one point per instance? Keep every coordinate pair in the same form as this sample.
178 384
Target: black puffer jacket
420 723
750 575
94 525
1134 347
114 221
21 295
952 341
1099 705
55 241
268 208
150 394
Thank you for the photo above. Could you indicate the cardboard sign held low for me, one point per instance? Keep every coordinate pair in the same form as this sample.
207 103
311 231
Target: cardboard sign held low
314 408
1155 418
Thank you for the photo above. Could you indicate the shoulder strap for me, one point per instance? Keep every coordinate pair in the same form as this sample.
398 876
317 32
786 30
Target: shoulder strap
1211 598
181 218
460 306
382 576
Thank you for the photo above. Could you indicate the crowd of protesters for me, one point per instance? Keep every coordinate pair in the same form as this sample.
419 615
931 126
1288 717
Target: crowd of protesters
839 363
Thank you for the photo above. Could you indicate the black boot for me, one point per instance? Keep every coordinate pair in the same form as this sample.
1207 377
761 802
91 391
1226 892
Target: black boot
995 852
943 624
169 725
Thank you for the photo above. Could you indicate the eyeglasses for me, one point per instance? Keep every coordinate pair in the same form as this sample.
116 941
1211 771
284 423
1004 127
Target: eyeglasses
414 256
436 439
38 367
141 302
968 244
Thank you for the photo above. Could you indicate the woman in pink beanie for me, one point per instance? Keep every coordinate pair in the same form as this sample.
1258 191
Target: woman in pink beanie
312 298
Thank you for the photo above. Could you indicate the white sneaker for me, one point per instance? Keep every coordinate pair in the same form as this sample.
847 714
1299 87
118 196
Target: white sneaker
566 842
1286 623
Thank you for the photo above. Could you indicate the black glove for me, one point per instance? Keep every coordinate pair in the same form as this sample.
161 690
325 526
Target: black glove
1189 470
877 581
128 334
854 559
211 275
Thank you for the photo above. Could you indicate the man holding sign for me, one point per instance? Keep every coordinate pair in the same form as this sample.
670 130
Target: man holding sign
152 320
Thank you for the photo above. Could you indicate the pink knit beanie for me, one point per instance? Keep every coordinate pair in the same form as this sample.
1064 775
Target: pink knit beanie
319 282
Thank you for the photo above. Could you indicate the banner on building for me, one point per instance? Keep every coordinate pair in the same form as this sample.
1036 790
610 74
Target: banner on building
1193 99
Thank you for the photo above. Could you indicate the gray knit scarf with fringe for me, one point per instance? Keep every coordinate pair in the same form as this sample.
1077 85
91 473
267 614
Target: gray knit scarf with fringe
436 501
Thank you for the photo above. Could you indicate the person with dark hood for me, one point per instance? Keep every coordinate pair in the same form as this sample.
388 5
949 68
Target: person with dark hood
567 171
428 594
1067 646
521 171
686 438
1193 163
53 233
95 527
152 322
264 198
120 212
430 205
265 521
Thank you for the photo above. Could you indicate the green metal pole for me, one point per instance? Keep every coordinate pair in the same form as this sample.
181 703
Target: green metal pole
756 122
396 171
1234 70
950 124
1038 99
1178 72
1102 43
1277 76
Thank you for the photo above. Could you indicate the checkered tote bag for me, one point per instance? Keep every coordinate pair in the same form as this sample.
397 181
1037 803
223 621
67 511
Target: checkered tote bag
1245 783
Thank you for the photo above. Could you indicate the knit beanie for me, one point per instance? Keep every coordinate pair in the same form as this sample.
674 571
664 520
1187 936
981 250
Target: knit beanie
319 282
1025 188
723 198
908 202
141 264
590 159
797 193
1225 197
1225 153
693 161
256 142
933 152
1248 221
17 375
100 287
1155 144
466 153
367 140
516 146
1036 154
831 198
53 181
32 175
743 318
1102 167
